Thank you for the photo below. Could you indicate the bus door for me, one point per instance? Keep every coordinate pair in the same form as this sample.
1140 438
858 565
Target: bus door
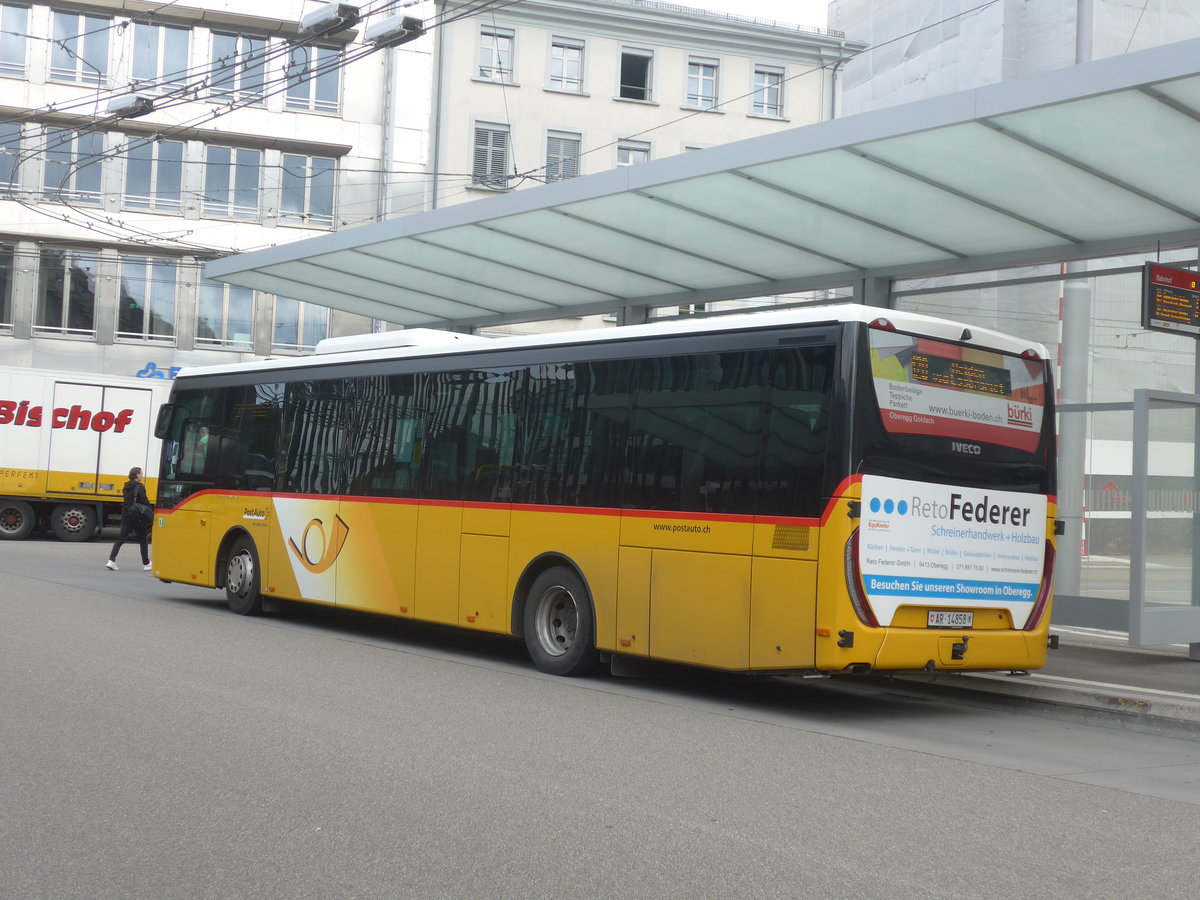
486 524
97 434
469 457
695 444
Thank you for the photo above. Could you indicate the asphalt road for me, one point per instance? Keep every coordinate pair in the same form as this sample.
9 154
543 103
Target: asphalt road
154 745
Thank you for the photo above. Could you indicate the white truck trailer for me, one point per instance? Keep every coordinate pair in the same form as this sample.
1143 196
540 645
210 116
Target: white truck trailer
67 443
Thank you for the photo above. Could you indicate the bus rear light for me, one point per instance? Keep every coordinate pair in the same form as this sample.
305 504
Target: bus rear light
1043 595
883 325
1031 354
858 597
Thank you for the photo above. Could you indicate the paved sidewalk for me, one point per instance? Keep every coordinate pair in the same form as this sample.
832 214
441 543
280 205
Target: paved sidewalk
1098 672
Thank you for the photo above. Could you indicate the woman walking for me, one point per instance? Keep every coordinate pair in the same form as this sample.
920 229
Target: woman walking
136 516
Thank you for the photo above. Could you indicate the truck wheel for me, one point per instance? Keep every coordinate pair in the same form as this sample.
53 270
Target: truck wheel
16 520
560 625
73 522
242 575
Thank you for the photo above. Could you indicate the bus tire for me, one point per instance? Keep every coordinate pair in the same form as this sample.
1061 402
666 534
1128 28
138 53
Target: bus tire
16 520
560 624
242 578
74 521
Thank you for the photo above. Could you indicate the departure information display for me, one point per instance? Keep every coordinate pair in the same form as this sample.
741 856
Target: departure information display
966 376
1171 300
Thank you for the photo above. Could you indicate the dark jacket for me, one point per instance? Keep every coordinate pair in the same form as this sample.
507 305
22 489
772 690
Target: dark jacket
133 492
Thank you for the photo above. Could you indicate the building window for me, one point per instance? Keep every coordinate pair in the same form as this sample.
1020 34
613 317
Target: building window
307 189
72 166
14 25
146 306
768 91
6 282
314 79
10 154
160 56
635 74
566 65
489 167
238 67
79 50
562 155
226 316
632 152
66 301
154 175
298 325
496 54
702 83
232 180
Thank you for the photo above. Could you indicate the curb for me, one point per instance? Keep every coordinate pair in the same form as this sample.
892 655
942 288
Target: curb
1145 707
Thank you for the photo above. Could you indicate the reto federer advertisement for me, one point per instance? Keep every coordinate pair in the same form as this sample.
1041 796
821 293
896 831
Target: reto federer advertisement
939 545
929 387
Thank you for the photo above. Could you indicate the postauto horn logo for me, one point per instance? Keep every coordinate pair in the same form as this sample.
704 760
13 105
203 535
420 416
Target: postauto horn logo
327 547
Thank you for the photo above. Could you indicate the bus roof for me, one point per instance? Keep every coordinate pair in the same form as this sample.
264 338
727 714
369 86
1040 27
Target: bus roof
359 349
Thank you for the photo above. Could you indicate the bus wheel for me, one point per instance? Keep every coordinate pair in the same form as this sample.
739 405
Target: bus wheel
242 579
73 522
559 624
16 520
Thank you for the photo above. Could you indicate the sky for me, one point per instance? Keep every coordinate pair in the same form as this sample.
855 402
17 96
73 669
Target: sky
797 12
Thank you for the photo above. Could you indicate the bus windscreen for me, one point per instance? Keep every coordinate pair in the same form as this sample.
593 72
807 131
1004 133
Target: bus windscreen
930 387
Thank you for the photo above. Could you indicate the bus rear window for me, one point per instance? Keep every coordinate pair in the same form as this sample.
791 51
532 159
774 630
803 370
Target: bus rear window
930 387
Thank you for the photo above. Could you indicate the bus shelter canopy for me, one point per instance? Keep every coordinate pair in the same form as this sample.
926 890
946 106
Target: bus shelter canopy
1091 160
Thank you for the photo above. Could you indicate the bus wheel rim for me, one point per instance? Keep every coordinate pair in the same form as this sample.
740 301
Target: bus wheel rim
241 573
556 621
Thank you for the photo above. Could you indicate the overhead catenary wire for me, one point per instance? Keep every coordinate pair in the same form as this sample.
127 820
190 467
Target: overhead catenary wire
189 92
186 95
199 74
168 131
105 224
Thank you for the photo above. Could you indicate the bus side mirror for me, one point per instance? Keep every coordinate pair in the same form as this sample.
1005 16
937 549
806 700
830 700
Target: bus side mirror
162 425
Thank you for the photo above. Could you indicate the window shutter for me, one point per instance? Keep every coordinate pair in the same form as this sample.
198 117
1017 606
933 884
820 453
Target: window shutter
562 157
490 164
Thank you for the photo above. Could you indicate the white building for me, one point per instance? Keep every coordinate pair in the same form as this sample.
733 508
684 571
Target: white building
139 140
543 90
257 134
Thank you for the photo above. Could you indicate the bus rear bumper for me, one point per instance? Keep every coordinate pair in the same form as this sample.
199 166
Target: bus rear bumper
929 650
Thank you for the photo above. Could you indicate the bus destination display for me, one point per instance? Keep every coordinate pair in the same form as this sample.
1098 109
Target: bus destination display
1171 300
954 373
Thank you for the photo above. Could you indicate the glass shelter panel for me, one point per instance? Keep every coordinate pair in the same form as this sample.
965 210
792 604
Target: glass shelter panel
1166 604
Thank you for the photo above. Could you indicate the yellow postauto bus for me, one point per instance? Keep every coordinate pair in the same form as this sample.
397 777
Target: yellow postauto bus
827 490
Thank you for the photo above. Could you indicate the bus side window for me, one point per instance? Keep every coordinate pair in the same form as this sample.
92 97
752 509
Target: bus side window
797 432
385 428
470 452
194 457
574 427
697 433
315 427
229 468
